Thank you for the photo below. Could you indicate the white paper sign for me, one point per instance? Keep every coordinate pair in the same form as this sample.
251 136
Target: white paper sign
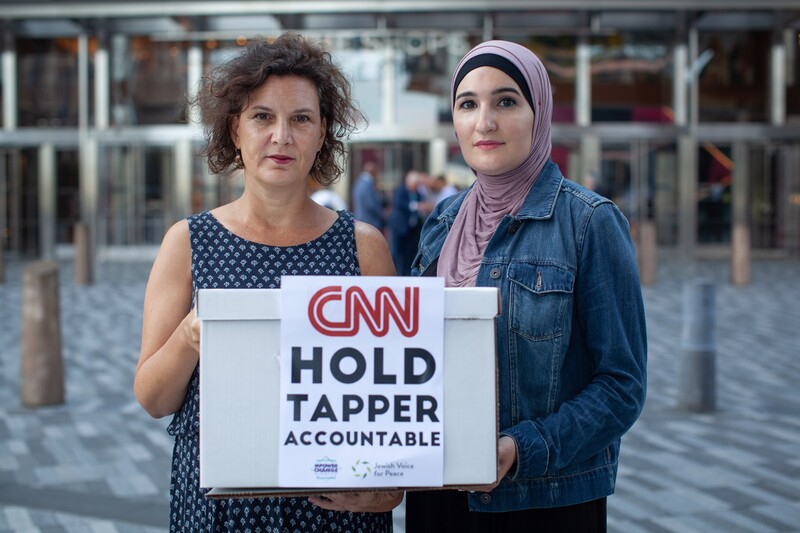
361 381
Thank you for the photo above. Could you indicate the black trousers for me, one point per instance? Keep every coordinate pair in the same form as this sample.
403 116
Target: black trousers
447 511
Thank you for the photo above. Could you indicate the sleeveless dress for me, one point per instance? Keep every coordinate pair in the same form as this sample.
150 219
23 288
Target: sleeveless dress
221 259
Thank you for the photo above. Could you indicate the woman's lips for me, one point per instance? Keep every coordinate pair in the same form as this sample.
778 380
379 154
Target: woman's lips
487 145
281 159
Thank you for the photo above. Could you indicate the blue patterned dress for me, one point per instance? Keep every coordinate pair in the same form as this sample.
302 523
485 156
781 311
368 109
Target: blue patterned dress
221 259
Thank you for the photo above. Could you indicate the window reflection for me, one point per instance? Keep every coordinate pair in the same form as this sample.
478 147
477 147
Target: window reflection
47 84
557 53
793 76
632 77
148 84
733 84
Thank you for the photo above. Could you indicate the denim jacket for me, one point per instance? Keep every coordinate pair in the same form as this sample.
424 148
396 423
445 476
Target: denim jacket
571 340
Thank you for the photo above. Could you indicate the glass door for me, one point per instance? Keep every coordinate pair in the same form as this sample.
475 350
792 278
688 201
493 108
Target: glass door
136 197
67 195
714 193
775 193
20 183
641 179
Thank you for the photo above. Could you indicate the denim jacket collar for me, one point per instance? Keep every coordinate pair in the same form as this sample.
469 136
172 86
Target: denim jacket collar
539 204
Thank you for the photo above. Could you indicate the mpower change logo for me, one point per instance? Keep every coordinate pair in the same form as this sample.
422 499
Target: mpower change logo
378 311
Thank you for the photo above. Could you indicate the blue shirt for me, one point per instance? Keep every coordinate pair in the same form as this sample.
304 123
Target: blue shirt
571 339
367 202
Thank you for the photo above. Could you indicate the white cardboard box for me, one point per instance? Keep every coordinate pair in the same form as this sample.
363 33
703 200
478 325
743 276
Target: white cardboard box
240 382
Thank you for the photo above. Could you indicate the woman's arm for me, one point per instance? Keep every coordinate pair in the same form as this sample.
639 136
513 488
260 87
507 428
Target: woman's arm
170 336
374 258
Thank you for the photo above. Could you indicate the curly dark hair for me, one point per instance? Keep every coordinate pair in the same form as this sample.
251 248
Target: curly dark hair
226 91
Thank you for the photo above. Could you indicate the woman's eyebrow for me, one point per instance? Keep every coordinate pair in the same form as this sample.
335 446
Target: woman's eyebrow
499 90
262 107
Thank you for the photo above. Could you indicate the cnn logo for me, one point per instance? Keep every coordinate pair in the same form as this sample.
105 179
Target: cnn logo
377 312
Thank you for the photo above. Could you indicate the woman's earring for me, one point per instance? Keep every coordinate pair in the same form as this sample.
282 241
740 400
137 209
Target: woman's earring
238 159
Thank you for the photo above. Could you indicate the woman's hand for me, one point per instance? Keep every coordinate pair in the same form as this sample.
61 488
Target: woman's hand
190 329
506 457
358 502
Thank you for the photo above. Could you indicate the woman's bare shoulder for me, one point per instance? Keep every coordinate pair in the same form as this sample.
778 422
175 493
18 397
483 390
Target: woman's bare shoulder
374 258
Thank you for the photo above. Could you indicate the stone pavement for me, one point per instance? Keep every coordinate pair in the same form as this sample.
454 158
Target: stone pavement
99 463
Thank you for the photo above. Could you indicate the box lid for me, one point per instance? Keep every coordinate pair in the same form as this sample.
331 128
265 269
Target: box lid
265 304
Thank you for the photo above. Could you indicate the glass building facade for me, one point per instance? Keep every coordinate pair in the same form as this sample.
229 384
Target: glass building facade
688 119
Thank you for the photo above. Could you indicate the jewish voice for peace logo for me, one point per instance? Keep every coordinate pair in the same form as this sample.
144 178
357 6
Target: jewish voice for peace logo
361 469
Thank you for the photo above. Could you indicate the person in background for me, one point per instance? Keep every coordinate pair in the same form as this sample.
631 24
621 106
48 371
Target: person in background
408 213
442 188
571 339
325 196
279 113
368 204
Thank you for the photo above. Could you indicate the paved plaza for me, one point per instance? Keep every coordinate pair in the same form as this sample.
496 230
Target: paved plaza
99 463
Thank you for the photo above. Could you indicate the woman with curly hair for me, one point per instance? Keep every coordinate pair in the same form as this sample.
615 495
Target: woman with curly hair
280 113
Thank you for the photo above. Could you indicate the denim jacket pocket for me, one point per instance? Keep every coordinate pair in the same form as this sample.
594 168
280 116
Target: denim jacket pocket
540 295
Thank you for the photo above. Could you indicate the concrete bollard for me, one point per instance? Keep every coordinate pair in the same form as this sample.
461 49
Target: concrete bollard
740 255
646 255
83 255
697 386
42 368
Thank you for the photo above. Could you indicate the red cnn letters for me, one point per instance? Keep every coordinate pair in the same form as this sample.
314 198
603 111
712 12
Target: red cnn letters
378 315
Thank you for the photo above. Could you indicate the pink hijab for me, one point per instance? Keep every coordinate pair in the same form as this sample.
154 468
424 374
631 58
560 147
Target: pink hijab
493 197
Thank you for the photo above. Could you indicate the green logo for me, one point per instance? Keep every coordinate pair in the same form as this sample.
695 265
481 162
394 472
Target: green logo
361 469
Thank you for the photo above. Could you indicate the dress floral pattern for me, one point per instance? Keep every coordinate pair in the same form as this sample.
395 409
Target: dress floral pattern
221 259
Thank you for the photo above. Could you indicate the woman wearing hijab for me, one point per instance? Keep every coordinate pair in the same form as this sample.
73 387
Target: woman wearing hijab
571 341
